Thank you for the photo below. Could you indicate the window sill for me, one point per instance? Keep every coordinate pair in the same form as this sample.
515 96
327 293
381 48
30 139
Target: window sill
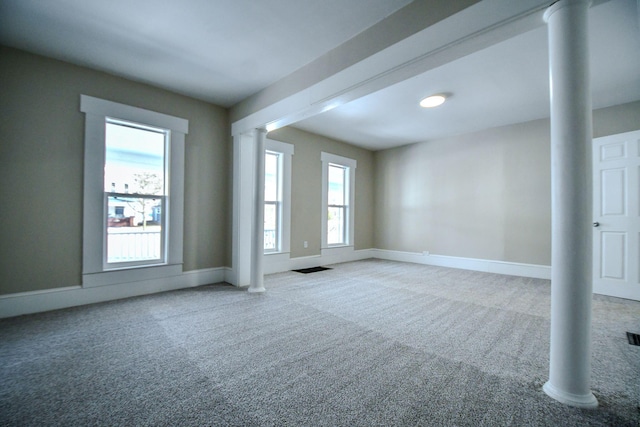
128 275
338 246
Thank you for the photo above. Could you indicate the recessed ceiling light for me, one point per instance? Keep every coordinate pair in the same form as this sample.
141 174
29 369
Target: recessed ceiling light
433 101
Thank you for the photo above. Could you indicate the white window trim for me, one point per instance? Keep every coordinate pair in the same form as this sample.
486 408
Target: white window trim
351 165
287 151
96 111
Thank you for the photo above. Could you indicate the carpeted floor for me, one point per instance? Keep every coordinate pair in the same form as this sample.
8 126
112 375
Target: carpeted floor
368 343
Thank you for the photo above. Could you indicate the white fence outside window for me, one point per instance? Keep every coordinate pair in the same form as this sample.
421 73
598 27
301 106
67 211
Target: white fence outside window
127 244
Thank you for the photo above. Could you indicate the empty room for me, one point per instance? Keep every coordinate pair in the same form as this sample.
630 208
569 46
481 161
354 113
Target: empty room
373 212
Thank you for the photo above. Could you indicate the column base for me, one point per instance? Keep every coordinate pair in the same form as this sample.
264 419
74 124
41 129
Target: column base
256 290
577 400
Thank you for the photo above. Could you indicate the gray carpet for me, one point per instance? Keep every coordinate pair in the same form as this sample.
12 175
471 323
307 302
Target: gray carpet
369 343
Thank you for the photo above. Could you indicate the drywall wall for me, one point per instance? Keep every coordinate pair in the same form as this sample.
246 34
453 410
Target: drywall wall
483 195
616 119
306 189
41 169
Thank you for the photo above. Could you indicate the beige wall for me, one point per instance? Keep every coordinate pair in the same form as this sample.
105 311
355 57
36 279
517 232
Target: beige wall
616 119
483 195
306 189
41 169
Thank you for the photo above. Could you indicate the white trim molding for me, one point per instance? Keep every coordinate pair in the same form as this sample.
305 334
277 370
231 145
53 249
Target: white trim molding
484 265
278 263
95 271
102 107
53 299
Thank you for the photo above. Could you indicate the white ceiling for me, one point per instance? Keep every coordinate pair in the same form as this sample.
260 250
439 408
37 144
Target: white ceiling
223 51
504 84
220 51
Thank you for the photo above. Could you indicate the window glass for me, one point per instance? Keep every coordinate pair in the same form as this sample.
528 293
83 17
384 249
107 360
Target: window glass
336 185
277 197
271 176
336 205
134 166
272 205
134 158
335 225
270 226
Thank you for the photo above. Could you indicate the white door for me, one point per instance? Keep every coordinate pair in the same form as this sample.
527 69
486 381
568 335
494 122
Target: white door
616 215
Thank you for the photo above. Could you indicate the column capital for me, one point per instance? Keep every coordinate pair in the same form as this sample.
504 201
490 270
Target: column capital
252 133
561 4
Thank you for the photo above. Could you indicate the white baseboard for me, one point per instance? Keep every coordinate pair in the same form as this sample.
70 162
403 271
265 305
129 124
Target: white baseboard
488 266
277 263
344 254
46 300
37 301
229 276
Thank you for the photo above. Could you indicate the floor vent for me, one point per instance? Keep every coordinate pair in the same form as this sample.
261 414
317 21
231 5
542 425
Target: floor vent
634 339
311 270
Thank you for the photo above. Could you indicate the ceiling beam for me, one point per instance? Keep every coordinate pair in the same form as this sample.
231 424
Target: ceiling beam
436 33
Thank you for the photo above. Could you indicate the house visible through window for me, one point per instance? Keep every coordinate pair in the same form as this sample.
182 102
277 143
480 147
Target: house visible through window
135 192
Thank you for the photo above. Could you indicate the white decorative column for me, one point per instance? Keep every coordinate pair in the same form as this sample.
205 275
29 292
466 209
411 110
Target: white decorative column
257 241
243 183
571 219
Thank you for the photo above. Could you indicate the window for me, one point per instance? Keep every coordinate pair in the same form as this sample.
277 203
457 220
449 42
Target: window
272 201
338 181
337 205
277 196
133 193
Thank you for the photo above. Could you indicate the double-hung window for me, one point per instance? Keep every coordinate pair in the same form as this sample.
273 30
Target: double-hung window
277 197
338 209
338 182
272 201
133 193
